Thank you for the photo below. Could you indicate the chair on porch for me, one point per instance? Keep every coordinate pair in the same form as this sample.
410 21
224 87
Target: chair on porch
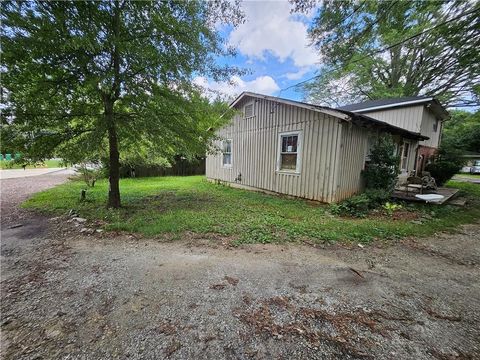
421 183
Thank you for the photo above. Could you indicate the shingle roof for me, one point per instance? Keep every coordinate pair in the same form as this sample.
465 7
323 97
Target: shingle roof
386 103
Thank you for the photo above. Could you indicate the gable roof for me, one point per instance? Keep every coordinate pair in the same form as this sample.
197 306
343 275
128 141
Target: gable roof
318 108
358 119
384 104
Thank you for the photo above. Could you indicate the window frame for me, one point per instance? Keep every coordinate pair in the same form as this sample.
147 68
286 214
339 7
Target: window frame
229 166
252 103
404 159
298 168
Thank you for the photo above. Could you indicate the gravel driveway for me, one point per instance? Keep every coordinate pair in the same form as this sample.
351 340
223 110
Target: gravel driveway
67 295
16 189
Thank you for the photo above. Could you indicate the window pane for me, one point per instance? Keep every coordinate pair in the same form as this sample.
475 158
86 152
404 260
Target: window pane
293 143
227 159
288 162
284 143
227 146
289 143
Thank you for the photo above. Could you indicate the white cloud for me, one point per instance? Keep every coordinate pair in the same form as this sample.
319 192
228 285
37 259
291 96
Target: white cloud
262 84
298 74
270 27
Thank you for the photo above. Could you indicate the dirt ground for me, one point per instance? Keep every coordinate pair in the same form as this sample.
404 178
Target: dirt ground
67 295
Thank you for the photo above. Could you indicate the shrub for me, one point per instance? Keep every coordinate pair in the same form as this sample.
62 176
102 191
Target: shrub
378 196
446 163
382 170
360 205
357 206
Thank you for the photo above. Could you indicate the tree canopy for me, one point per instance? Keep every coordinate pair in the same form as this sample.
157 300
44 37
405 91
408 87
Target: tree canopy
430 49
80 77
462 131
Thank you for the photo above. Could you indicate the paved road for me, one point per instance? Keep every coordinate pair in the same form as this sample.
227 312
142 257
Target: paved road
20 173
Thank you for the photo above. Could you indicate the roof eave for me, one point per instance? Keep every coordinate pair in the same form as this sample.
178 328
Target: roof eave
320 109
394 105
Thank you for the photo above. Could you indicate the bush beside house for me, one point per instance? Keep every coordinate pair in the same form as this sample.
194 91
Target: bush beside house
380 177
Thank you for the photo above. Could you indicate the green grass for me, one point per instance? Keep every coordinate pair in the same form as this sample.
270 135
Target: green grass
10 164
173 205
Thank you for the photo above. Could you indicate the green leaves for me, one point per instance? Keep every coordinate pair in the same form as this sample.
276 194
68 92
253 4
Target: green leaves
462 131
382 170
74 72
442 62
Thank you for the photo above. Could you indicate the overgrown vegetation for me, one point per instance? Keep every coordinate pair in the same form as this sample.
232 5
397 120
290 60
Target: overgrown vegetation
380 178
360 205
170 206
462 131
382 169
446 163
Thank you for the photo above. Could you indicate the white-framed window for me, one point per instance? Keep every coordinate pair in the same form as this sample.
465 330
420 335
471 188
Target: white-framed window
227 153
405 151
435 126
289 152
248 110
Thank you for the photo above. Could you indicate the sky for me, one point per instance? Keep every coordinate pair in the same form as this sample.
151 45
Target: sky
273 45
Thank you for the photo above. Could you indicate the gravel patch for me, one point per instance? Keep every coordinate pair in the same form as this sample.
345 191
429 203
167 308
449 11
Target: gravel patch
68 294
16 190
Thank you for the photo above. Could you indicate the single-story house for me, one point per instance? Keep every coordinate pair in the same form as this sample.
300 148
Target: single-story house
299 149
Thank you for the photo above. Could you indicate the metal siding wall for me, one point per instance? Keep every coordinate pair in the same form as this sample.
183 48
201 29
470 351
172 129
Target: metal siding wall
409 118
428 119
352 157
255 151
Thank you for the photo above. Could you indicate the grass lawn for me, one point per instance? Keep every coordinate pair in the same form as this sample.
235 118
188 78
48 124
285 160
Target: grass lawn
10 164
173 205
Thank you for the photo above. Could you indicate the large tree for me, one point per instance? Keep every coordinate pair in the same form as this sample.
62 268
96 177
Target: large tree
78 76
462 131
444 62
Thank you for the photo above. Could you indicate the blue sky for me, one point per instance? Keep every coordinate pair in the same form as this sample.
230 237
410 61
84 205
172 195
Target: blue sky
274 46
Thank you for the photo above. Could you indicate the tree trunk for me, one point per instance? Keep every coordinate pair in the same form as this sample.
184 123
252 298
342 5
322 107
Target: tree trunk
109 101
114 161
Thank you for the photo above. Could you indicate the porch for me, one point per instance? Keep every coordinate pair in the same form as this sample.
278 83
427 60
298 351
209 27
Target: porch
408 194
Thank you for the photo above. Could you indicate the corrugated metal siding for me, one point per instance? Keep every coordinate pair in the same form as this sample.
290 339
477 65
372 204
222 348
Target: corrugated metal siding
409 118
428 120
354 148
353 155
255 150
